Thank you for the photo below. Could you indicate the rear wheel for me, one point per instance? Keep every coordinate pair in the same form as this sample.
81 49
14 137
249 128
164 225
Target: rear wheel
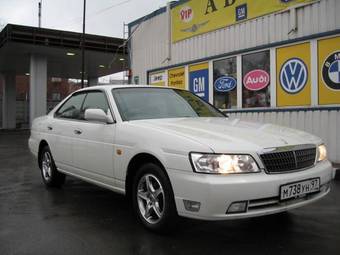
49 173
153 201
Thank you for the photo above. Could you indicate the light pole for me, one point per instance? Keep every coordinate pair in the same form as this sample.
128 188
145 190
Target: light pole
83 48
39 13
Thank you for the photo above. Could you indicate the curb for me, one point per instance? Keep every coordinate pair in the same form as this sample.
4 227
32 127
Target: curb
14 131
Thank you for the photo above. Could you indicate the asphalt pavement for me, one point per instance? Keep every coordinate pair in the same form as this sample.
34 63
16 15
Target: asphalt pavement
84 219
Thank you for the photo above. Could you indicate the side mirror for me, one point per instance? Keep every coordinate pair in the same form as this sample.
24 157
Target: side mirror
97 115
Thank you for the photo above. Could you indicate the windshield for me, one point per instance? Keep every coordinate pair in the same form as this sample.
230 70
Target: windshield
160 103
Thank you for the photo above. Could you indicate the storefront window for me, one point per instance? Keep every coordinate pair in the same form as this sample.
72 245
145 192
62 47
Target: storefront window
256 80
225 83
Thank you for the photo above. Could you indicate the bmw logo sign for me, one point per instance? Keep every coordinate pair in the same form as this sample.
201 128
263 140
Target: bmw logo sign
293 75
331 71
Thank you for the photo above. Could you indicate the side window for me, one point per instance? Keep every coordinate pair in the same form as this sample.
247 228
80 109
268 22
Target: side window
95 100
71 109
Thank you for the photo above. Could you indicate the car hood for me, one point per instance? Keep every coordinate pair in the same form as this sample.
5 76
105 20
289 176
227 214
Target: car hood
222 134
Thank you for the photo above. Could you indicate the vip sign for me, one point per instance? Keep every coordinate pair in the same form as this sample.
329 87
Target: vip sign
157 79
329 71
186 14
199 80
293 75
176 78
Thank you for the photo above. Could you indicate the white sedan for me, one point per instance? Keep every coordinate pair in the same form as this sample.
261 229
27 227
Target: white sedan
174 155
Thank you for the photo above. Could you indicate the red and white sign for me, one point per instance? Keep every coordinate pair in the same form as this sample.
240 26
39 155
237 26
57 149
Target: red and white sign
256 80
186 14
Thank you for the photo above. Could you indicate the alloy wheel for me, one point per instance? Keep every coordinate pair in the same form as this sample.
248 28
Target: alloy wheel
47 166
150 198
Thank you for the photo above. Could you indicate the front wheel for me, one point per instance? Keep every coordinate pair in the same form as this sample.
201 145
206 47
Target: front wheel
153 200
49 173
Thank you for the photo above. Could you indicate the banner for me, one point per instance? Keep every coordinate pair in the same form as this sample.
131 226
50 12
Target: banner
157 79
177 78
329 71
199 80
198 17
293 75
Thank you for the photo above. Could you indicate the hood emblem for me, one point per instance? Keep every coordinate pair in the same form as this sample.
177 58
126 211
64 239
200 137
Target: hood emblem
284 141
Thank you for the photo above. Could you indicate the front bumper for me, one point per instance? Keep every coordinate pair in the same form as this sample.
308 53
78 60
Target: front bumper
216 192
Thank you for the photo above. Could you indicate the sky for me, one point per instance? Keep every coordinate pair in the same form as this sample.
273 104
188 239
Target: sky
104 17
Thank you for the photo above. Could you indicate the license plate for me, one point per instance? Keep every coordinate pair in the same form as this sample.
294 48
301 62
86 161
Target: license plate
298 189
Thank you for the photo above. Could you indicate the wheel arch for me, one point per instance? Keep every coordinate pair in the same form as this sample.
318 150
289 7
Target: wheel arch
42 144
135 163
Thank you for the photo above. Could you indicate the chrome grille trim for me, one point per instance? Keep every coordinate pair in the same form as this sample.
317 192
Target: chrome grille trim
288 158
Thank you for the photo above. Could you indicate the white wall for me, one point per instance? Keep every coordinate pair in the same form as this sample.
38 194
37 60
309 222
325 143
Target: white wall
149 42
324 124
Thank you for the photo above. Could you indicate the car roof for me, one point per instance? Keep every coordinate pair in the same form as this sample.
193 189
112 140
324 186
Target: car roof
109 87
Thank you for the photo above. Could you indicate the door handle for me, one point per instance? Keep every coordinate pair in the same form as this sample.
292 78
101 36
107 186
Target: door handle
77 132
50 128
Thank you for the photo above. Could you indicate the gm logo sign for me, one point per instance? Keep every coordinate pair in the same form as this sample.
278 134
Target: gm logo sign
293 75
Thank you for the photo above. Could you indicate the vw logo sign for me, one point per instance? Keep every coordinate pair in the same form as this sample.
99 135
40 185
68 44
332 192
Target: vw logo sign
225 84
293 75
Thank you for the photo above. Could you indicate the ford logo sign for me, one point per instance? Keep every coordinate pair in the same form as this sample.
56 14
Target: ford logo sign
225 84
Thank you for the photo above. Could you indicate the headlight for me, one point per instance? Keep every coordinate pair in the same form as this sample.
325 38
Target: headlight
322 152
223 163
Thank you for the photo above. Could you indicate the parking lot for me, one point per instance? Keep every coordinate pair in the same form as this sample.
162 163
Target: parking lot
83 219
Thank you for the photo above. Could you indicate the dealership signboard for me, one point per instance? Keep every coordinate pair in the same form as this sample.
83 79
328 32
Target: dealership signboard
158 79
199 80
293 75
304 74
198 17
329 71
176 78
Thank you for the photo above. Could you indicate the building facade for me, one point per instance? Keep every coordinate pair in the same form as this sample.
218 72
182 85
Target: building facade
273 61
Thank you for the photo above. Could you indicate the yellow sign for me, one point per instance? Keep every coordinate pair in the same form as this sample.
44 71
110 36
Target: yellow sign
329 71
177 78
293 75
158 79
196 17
198 67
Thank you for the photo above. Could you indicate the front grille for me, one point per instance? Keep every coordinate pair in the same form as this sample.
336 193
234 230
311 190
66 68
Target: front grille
285 161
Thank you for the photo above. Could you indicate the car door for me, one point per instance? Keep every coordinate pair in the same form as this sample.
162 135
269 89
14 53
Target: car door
93 146
62 128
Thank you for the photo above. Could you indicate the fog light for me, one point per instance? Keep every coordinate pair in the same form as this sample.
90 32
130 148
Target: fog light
192 206
238 207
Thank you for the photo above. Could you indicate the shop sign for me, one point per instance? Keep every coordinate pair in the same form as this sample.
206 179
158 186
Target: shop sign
329 70
256 80
199 80
293 85
157 79
225 84
293 75
176 78
195 17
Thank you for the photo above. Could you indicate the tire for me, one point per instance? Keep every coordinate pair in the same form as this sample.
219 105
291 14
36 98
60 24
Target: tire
153 199
49 173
